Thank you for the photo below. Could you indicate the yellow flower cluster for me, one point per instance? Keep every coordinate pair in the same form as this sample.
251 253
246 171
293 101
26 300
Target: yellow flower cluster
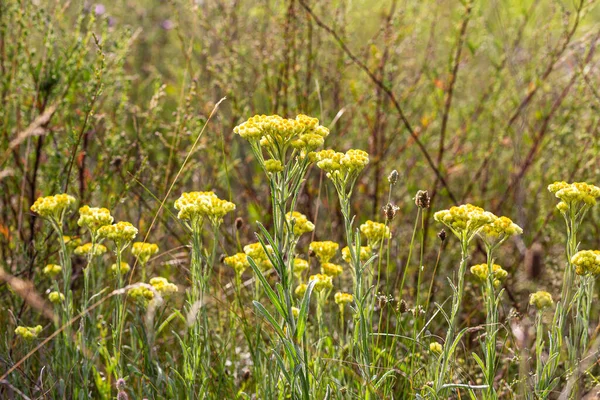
303 132
141 294
273 166
375 232
324 250
143 251
331 269
93 218
259 255
52 270
341 165
86 249
481 271
435 348
322 282
122 233
587 262
295 312
125 268
163 286
239 262
500 229
465 220
300 222
28 332
572 194
300 265
53 207
343 298
300 290
195 206
365 254
541 300
56 297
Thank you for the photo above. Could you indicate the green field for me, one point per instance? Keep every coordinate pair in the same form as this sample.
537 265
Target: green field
299 199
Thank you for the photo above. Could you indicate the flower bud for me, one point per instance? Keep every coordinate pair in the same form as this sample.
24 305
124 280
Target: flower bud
393 177
422 199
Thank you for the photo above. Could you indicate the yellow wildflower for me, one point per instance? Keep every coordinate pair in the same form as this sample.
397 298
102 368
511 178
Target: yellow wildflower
300 222
500 229
586 262
300 265
435 348
163 286
86 249
56 297
257 252
28 332
273 166
195 206
324 251
576 193
143 251
322 282
122 233
93 218
239 262
365 254
465 220
375 232
300 290
342 298
53 207
52 270
125 268
295 312
541 300
141 294
481 271
331 269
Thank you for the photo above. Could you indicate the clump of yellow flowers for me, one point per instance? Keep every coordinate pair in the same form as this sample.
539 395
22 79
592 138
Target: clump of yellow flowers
341 168
56 297
239 262
498 230
481 271
142 294
257 252
342 298
586 262
53 207
574 194
300 223
125 268
88 248
324 251
143 251
93 218
121 233
322 282
28 332
365 253
465 220
331 269
52 270
541 299
194 207
375 232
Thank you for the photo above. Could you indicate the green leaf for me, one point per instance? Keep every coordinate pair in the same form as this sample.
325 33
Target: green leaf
268 290
303 315
269 318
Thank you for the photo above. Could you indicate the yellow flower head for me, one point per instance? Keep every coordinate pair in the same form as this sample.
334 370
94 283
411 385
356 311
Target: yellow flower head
587 262
300 222
331 269
86 249
141 295
52 270
481 271
93 218
322 282
343 298
56 297
341 166
28 332
300 290
53 207
324 250
125 268
273 166
300 265
143 251
295 312
239 262
541 300
122 233
259 255
574 194
195 206
375 232
465 220
500 229
365 253
163 286
435 348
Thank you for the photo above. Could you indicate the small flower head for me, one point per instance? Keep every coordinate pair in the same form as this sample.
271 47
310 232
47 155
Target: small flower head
481 271
300 223
143 251
239 262
93 218
586 262
389 211
342 298
28 332
52 270
53 207
435 348
195 206
324 251
300 265
465 220
331 269
500 229
341 167
300 290
122 233
87 249
257 252
422 199
141 295
121 385
56 297
322 282
365 253
295 312
163 286
125 268
575 194
273 166
541 300
393 177
375 232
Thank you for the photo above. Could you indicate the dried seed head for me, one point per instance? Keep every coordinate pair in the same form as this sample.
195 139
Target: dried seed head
122 396
393 177
239 223
389 211
121 384
422 199
402 307
442 235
